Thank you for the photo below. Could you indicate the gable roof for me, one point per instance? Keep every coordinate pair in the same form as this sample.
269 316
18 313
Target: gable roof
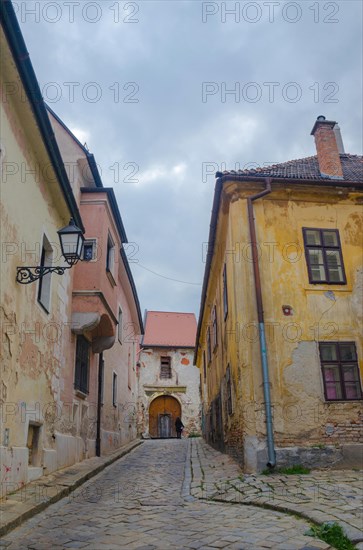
305 168
170 329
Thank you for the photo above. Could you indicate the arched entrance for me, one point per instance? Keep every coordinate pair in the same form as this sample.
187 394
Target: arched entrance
163 412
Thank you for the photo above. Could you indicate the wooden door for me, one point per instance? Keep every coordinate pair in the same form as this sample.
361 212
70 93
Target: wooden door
164 425
164 405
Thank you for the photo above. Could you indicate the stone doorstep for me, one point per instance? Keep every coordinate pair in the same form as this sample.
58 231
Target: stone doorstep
50 489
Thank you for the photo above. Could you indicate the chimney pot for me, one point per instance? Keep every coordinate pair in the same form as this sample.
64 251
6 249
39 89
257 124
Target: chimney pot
327 148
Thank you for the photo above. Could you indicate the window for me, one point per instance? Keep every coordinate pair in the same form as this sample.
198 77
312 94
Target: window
82 364
209 349
89 250
119 326
165 367
225 292
204 367
324 256
214 327
110 257
340 371
114 389
229 390
45 281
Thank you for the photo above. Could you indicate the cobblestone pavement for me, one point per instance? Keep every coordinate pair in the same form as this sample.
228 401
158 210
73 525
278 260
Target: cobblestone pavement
324 495
142 502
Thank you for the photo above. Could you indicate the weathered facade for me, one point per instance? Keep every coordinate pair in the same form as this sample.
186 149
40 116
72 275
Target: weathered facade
69 343
167 377
36 201
106 316
279 341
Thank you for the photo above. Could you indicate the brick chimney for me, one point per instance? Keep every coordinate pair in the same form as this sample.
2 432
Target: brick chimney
327 148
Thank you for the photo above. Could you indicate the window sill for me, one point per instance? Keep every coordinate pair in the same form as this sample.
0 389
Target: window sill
81 394
330 401
327 286
110 277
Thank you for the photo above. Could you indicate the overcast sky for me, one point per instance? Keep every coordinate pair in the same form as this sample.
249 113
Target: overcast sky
146 84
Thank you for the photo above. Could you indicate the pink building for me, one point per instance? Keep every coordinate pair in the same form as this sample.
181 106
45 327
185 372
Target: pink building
106 325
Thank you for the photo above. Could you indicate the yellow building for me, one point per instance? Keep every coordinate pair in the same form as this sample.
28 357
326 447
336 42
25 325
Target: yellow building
279 336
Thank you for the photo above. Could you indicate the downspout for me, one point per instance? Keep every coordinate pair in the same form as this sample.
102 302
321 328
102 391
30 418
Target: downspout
261 324
99 404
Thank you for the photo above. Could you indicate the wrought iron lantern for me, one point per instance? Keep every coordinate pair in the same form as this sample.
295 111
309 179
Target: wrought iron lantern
71 241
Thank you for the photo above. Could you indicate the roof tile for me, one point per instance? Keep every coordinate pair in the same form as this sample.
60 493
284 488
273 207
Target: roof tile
170 329
305 168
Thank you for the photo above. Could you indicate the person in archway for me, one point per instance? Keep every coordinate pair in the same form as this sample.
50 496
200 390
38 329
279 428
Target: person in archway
179 427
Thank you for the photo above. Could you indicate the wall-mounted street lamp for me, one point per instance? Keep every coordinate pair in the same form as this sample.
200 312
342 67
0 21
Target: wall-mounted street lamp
71 241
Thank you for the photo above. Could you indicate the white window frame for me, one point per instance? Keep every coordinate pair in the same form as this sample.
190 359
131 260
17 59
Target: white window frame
110 255
92 242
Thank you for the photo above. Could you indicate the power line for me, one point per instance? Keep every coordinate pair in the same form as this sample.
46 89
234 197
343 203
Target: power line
168 278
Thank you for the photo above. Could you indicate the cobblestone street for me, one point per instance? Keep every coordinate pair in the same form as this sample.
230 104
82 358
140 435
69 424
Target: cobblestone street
143 501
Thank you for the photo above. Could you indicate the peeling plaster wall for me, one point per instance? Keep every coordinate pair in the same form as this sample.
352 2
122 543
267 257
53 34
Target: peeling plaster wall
98 291
35 345
302 417
119 422
183 386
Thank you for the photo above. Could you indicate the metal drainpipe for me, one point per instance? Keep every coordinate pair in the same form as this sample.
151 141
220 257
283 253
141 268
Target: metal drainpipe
261 324
99 405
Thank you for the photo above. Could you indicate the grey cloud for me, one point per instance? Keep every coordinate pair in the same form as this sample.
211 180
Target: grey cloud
169 53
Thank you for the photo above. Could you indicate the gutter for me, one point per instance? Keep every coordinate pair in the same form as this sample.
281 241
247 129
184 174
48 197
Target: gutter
99 403
295 181
29 80
133 288
211 242
261 324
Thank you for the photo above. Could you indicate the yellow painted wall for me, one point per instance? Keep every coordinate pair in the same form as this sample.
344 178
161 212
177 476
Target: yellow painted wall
301 414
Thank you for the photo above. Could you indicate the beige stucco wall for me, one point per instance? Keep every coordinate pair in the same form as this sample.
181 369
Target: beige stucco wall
35 346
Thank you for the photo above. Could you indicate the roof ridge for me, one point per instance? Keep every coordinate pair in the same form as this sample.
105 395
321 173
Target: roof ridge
174 312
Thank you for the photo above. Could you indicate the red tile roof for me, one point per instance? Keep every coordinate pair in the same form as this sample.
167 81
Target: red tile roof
305 168
170 329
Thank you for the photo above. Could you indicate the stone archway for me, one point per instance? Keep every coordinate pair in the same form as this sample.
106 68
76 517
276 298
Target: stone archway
163 412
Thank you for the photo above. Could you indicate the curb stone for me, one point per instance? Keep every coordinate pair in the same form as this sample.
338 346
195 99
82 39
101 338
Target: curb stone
14 509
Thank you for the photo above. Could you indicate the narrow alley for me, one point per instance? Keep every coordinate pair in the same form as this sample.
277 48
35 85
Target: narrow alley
143 501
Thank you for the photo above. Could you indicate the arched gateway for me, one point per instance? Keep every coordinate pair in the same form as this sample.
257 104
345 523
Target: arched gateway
163 412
